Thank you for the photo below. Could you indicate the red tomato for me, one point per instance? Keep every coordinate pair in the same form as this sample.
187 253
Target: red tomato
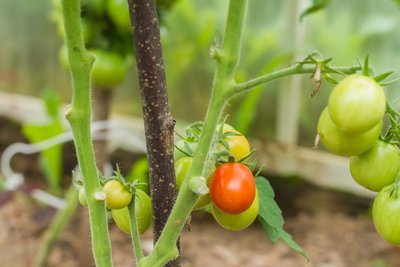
232 188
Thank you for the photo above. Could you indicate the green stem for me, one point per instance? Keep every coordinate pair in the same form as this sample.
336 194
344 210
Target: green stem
297 69
58 223
135 231
165 249
78 115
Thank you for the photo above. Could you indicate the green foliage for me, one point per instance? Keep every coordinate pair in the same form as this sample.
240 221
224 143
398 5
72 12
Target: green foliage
316 6
51 158
140 171
270 216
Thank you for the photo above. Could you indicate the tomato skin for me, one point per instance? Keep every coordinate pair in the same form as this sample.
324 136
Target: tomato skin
232 188
142 210
236 222
386 214
376 168
117 197
109 69
140 171
182 167
238 144
356 104
344 144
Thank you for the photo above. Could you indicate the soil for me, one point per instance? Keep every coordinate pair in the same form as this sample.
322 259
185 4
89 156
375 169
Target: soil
335 229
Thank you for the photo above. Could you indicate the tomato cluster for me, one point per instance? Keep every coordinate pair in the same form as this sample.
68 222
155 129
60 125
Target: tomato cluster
233 197
351 126
118 196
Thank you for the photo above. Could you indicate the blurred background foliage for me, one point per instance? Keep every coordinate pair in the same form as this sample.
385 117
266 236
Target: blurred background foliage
344 31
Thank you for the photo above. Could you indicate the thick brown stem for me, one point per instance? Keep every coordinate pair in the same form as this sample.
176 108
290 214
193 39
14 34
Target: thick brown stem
158 122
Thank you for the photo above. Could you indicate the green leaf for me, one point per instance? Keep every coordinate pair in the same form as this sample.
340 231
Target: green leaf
287 238
270 214
51 158
52 102
316 6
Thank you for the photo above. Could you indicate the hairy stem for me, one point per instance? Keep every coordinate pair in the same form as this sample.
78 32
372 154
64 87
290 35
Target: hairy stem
297 69
135 231
78 115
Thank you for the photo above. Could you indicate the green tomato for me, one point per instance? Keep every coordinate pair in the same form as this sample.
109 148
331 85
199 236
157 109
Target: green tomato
119 14
82 197
117 196
376 168
181 145
357 104
109 69
344 144
140 171
182 167
142 210
236 222
386 214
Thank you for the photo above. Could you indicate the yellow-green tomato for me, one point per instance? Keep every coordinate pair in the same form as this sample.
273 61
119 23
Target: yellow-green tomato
142 210
238 144
236 222
376 168
357 104
386 214
82 197
117 196
344 144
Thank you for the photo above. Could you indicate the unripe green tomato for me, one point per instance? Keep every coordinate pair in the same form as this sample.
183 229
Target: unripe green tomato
182 167
119 14
386 214
117 196
344 144
142 210
236 222
109 69
97 7
357 104
140 171
82 197
376 168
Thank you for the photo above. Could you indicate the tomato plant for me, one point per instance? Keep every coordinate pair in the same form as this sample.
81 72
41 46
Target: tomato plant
142 211
342 143
386 214
117 196
352 99
232 188
236 222
377 167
